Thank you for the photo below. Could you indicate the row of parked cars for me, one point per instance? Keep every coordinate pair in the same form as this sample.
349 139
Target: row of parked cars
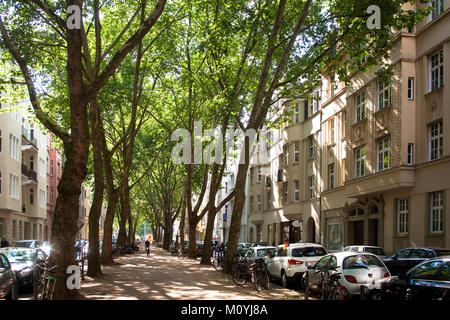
410 273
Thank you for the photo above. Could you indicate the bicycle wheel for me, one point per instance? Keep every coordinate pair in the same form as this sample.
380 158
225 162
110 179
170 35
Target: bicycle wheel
265 280
51 288
257 280
336 294
217 264
239 278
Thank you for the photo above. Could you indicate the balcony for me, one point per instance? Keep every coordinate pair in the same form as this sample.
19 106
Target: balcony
29 174
28 141
384 181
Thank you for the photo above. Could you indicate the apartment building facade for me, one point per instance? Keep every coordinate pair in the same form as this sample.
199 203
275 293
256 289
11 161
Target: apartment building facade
23 179
368 162
54 166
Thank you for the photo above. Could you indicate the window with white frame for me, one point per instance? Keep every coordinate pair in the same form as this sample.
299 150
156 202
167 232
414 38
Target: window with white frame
410 88
438 8
14 186
402 216
41 167
259 174
435 140
360 106
331 176
436 212
360 161
311 193
259 203
316 101
437 70
384 95
297 152
384 154
311 147
286 154
332 130
286 193
296 190
410 154
42 199
13 147
296 112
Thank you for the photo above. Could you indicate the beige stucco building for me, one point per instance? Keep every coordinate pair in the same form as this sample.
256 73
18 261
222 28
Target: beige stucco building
370 162
23 176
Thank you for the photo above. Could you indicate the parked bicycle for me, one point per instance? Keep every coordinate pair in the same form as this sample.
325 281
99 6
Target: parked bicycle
328 288
180 253
218 261
259 274
45 284
240 271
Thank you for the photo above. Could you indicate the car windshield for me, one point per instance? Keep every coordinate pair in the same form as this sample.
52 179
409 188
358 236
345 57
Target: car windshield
309 252
377 251
23 244
442 252
264 252
19 256
362 262
433 270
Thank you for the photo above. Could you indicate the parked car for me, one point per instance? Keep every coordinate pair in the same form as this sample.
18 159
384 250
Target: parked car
27 244
429 280
402 261
259 252
357 269
8 281
24 263
290 264
371 249
245 245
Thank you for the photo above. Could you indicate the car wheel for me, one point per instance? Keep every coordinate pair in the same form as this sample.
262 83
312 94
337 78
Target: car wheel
14 292
304 281
284 280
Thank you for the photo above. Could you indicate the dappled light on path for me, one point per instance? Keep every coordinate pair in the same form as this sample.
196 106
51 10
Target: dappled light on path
163 276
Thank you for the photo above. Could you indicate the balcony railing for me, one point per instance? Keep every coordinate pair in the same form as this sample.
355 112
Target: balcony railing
30 140
30 174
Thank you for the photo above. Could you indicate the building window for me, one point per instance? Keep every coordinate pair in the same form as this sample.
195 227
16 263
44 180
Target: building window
435 138
32 163
297 190
259 174
402 216
51 195
286 193
306 109
42 199
410 154
268 197
51 167
384 95
296 152
331 133
251 203
311 147
410 88
335 236
286 155
259 203
311 192
296 113
14 186
360 107
13 147
360 165
384 154
31 196
437 70
438 8
331 176
436 212
344 123
316 101
343 171
252 175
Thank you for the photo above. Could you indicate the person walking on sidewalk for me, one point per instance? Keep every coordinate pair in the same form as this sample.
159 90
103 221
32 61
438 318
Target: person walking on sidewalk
4 243
147 247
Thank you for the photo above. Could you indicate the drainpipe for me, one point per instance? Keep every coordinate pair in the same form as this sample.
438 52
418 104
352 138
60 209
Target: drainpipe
321 180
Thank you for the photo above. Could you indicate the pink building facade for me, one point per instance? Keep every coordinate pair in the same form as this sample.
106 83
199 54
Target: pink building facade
54 172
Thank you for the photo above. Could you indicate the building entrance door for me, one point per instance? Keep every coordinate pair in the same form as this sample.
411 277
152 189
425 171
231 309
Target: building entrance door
373 232
358 232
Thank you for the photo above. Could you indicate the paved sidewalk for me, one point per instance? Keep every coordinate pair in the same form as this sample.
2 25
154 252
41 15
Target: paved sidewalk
163 276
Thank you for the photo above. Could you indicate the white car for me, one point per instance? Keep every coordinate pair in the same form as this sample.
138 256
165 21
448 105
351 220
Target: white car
370 249
356 268
291 263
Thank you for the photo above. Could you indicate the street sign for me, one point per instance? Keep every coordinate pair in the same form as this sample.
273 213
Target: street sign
225 217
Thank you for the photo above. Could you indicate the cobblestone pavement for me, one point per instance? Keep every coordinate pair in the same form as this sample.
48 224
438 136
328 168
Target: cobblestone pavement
163 276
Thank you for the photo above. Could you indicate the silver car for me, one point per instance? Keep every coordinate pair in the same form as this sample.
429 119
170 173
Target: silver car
358 270
370 249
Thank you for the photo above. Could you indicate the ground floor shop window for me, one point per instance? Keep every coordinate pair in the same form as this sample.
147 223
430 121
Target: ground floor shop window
335 236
